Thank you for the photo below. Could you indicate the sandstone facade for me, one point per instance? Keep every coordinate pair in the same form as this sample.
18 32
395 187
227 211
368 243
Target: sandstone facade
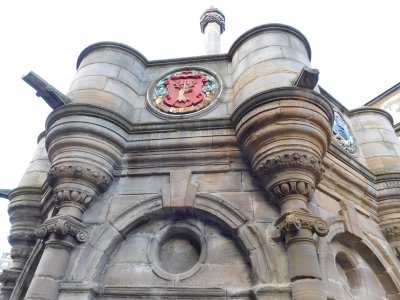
272 190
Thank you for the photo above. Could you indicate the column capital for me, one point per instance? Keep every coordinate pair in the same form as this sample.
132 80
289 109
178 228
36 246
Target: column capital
63 225
294 221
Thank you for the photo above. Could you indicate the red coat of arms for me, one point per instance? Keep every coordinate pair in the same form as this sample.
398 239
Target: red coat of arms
184 90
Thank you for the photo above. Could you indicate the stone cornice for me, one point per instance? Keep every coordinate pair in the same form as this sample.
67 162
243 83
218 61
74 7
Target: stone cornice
333 100
25 190
131 128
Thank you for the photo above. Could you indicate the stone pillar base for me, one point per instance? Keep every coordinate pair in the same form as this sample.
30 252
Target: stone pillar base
308 289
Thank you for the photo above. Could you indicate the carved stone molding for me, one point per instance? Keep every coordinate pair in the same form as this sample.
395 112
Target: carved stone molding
20 252
291 161
91 174
212 15
24 236
63 225
285 188
391 233
74 196
8 278
294 221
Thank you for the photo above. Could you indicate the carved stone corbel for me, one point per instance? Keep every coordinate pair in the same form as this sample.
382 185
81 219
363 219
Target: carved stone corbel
295 160
76 186
95 176
290 174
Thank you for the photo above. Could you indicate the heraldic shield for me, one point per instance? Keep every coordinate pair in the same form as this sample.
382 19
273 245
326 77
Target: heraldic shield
185 89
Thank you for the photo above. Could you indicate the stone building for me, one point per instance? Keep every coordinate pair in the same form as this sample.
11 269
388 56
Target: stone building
225 176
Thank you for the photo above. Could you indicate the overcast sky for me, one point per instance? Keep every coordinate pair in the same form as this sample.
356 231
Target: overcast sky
355 45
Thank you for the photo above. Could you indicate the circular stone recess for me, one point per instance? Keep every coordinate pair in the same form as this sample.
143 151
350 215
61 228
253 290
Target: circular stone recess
179 253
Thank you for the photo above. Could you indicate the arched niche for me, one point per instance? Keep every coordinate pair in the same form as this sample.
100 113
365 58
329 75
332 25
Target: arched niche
356 266
346 268
90 259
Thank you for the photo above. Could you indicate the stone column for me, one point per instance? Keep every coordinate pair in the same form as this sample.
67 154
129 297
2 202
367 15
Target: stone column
24 211
287 183
25 215
212 23
83 151
286 132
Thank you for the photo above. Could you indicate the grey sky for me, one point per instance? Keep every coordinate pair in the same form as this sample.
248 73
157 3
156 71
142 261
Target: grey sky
354 44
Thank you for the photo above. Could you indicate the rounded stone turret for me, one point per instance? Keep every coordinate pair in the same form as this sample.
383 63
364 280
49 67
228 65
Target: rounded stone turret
110 75
284 126
373 128
267 57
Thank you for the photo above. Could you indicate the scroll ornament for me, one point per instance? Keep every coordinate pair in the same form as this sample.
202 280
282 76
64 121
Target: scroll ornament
63 225
294 221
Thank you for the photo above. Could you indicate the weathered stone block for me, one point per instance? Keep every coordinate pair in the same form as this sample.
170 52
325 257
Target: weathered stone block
120 89
218 182
264 210
241 201
133 249
46 289
88 82
132 81
128 274
142 185
99 69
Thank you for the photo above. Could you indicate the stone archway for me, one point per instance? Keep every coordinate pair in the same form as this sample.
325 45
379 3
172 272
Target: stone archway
90 260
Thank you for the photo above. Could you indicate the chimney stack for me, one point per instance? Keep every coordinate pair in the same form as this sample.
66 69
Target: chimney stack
212 23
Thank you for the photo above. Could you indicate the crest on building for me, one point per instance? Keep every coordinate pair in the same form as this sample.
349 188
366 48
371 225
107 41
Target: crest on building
184 91
343 135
